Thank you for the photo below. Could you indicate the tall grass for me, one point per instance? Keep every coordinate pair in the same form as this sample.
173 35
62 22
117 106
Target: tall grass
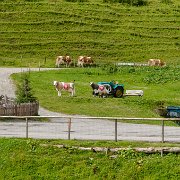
29 159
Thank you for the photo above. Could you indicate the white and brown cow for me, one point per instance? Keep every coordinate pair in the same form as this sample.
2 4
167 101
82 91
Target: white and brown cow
63 60
64 86
100 90
84 60
156 62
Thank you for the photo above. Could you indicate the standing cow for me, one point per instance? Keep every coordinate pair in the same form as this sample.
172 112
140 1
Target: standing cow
64 86
101 90
63 60
156 62
84 60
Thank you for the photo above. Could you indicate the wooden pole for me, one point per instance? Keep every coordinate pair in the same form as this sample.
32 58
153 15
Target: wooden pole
162 131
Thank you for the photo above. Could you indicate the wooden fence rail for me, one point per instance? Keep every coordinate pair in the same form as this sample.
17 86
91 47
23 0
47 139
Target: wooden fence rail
23 109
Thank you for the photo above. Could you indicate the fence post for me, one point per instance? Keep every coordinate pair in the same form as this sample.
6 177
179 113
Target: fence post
162 137
26 127
162 131
69 129
116 130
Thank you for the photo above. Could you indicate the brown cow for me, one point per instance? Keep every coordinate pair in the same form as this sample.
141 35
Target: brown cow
84 60
156 62
60 86
63 60
102 90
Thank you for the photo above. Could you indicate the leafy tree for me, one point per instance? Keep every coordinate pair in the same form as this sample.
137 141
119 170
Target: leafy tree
24 91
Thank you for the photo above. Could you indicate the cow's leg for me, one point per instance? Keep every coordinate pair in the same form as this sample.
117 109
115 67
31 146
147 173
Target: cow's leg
59 93
95 92
57 65
73 92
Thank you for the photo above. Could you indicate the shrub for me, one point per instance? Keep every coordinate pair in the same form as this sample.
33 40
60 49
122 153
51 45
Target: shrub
166 1
109 68
24 91
130 2
76 0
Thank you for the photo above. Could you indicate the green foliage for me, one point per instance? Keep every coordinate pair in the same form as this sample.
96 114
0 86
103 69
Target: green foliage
162 75
130 2
24 91
109 68
76 0
167 1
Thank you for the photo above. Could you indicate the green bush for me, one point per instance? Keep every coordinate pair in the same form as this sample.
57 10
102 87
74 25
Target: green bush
109 68
76 0
167 1
130 2
24 91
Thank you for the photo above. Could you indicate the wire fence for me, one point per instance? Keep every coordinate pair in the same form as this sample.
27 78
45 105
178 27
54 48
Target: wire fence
88 128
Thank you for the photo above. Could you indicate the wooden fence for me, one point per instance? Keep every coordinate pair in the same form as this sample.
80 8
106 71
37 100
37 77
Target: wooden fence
23 109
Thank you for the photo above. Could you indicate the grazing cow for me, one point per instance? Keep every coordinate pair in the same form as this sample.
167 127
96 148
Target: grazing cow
63 60
100 90
84 60
70 87
156 62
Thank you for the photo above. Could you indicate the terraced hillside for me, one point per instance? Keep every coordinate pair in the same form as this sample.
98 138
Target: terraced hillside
36 32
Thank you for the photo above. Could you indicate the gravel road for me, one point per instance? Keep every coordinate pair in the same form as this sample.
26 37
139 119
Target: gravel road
80 128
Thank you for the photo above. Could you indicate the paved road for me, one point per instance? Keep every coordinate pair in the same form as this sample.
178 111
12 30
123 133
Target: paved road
80 128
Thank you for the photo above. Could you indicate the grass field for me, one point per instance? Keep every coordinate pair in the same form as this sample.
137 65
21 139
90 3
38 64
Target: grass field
29 159
35 32
159 91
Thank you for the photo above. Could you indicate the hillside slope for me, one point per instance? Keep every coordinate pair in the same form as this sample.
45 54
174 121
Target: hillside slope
36 32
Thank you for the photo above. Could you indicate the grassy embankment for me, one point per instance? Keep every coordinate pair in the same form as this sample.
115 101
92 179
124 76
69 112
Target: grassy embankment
29 159
36 32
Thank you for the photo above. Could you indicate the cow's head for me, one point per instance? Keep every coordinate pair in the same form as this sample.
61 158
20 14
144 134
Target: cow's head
55 83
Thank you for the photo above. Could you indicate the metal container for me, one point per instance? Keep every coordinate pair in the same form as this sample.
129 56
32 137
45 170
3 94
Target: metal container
173 111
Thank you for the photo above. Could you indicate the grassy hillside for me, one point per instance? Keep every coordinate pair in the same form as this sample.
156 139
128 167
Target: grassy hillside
29 159
34 32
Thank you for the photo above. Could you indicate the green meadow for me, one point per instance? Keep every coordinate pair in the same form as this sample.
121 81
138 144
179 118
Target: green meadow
34 32
160 86
40 159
